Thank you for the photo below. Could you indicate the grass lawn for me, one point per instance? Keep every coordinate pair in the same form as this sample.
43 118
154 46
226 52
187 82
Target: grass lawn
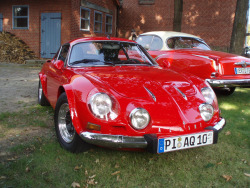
41 162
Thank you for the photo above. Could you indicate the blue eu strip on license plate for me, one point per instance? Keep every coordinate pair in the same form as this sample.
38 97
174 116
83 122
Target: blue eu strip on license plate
185 141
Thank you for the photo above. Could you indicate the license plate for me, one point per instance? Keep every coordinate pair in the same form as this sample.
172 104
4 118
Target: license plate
242 70
185 141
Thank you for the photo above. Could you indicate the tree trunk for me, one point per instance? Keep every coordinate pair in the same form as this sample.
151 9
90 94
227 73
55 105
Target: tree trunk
178 8
239 27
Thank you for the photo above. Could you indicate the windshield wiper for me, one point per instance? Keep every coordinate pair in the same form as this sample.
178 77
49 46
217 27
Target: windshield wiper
85 61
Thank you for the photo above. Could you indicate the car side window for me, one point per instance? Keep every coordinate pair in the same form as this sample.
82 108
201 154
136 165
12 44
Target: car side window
156 43
63 53
150 42
186 43
145 41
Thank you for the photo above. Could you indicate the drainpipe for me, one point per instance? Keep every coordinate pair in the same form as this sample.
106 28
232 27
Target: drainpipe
119 6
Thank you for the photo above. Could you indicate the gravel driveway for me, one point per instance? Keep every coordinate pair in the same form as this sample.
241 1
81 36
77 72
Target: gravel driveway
18 90
18 87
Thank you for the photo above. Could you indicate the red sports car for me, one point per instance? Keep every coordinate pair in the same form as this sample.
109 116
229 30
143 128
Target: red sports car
188 53
110 92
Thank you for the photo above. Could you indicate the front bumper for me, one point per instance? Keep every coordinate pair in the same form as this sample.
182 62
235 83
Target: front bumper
229 82
144 142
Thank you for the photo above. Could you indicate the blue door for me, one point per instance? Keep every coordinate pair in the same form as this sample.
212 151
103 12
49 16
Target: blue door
1 22
50 34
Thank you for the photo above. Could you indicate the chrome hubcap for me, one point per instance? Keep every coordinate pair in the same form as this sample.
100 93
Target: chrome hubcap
65 125
40 91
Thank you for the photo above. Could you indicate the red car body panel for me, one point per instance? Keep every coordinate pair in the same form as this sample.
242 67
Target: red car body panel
218 68
171 114
192 61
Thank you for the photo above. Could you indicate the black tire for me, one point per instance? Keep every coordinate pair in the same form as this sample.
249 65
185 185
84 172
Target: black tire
65 131
42 100
225 91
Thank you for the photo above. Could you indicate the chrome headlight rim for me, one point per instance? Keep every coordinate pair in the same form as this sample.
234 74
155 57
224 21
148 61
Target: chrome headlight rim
94 108
132 115
206 117
205 95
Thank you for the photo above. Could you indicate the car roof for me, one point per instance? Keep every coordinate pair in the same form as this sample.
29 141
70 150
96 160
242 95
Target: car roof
168 34
85 39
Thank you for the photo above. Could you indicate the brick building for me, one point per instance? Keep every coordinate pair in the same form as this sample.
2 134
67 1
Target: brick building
212 20
44 25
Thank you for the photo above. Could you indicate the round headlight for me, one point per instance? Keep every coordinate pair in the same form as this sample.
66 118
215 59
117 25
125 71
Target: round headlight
100 104
139 118
208 94
207 111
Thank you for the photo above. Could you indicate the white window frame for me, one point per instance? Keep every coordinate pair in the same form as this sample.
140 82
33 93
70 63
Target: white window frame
97 12
107 24
14 17
84 18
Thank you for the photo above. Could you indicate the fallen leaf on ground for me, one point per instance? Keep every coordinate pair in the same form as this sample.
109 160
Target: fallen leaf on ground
75 184
11 159
39 139
244 161
77 168
117 166
248 175
91 182
86 172
219 163
27 169
228 133
97 161
91 177
227 177
115 173
3 177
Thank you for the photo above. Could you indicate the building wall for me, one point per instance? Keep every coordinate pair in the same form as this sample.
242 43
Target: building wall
32 36
212 20
110 5
70 23
145 17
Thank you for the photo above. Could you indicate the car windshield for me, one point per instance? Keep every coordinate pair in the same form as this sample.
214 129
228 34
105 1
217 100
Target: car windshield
109 53
186 42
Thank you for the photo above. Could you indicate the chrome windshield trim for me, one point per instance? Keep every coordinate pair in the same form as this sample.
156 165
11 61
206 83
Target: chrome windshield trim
151 60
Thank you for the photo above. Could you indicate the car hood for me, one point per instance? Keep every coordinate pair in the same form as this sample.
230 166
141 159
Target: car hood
169 97
143 82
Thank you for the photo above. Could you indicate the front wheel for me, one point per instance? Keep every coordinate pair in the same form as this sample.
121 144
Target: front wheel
225 91
65 131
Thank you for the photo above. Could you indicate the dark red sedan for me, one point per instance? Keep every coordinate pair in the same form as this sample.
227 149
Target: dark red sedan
111 93
188 53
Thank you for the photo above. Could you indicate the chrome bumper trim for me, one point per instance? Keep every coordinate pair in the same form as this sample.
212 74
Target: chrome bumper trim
114 141
220 125
120 141
228 83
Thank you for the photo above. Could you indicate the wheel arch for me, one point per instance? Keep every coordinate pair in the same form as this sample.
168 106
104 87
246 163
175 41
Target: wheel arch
43 80
68 89
77 92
